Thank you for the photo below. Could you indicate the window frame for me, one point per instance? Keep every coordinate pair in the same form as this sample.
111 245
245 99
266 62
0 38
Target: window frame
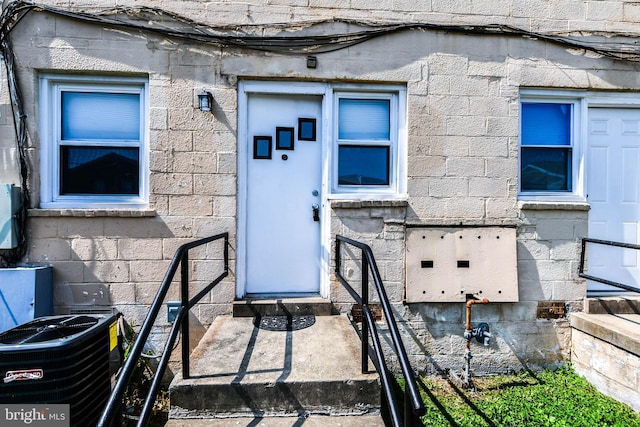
577 140
51 88
397 143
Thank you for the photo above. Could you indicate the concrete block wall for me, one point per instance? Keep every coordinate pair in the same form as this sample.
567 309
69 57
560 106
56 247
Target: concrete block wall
462 93
433 332
611 369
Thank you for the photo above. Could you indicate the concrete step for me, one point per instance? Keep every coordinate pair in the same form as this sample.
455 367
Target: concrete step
283 307
612 305
620 330
310 421
605 349
239 370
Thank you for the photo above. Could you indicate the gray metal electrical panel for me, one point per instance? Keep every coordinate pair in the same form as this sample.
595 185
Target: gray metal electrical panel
9 206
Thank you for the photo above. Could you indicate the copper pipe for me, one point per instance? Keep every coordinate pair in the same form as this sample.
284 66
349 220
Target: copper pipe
469 304
468 324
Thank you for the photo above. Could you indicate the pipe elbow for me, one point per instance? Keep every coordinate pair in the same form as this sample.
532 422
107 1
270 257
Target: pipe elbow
477 301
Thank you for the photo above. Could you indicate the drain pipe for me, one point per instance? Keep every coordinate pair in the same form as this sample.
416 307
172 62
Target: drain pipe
481 333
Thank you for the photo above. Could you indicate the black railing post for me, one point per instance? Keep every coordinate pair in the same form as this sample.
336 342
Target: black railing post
414 407
409 417
338 262
582 256
225 251
180 259
365 321
184 305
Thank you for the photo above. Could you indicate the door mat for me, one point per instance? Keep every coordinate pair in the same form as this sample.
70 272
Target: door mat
284 323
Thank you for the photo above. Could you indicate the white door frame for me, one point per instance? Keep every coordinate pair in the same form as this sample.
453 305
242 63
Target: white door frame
245 88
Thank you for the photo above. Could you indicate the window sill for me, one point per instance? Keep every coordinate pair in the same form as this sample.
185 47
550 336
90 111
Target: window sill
93 213
357 204
553 206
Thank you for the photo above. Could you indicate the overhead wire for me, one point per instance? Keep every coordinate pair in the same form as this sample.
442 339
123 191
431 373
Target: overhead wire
171 24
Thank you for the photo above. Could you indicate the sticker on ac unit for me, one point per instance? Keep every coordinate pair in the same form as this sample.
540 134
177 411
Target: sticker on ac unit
23 375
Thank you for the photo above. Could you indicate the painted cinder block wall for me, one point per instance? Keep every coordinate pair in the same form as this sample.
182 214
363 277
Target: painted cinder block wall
462 94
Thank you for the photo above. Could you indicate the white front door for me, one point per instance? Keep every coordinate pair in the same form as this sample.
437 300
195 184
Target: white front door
613 191
283 193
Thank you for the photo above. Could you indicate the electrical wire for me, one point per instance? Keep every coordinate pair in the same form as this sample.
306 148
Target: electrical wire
170 24
11 257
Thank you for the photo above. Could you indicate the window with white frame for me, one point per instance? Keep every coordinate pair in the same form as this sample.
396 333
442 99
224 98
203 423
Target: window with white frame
368 144
548 148
93 142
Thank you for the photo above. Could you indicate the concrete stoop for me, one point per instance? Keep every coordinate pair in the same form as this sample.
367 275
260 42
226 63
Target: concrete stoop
245 375
605 347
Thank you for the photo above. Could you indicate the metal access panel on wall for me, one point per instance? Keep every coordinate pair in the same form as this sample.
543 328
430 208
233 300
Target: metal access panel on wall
447 264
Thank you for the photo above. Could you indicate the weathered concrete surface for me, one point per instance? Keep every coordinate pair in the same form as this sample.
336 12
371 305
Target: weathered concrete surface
605 349
617 305
282 307
311 421
620 330
241 370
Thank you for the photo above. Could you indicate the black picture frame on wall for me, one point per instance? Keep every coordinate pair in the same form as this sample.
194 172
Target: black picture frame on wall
262 146
284 138
306 129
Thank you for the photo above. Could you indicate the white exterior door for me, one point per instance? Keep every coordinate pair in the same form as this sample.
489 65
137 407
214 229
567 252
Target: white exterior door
283 194
613 181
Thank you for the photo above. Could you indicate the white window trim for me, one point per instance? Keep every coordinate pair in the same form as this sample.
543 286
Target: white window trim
586 100
397 188
50 87
578 144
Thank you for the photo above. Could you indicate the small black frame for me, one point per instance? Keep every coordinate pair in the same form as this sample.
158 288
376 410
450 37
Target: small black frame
284 138
262 146
306 129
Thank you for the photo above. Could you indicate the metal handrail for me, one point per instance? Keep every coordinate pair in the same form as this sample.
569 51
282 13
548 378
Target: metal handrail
412 397
181 323
582 274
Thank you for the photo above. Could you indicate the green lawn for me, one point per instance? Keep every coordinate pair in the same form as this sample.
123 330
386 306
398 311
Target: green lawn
552 398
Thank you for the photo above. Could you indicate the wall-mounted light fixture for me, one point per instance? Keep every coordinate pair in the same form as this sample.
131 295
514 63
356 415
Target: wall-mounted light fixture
205 100
312 62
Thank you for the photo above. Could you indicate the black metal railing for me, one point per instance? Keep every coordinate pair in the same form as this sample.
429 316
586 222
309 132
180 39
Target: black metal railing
181 324
413 405
581 272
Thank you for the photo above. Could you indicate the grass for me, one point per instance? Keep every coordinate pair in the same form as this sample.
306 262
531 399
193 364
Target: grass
557 398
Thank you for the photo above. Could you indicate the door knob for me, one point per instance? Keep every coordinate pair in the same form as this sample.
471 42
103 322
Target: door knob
316 212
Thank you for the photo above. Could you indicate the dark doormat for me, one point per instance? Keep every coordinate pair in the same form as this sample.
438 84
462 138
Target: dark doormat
284 323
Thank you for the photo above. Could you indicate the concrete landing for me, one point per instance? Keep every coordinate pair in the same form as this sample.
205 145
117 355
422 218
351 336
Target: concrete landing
282 307
620 330
612 305
239 370
605 347
311 421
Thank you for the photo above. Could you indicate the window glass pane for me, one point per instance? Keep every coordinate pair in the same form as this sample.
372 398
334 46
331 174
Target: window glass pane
545 169
546 124
363 119
89 115
99 170
363 165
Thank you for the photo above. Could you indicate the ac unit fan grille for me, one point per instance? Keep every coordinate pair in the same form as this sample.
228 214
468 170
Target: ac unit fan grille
46 329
